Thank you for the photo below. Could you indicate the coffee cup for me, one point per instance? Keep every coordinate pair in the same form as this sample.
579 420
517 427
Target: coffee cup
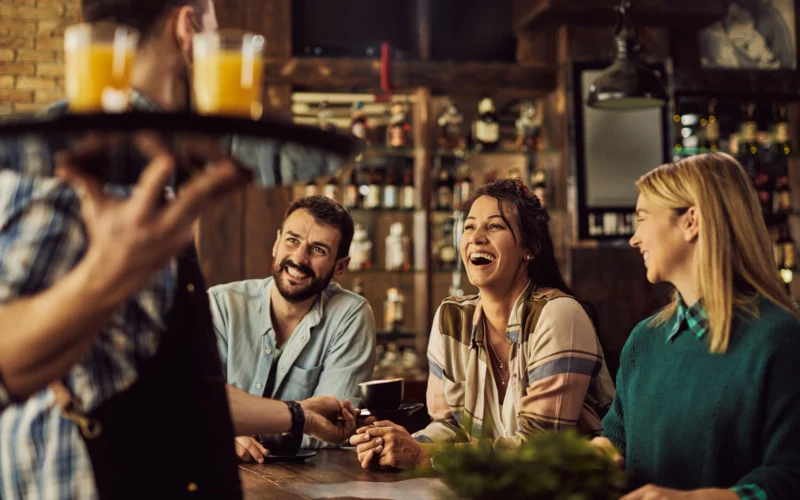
380 396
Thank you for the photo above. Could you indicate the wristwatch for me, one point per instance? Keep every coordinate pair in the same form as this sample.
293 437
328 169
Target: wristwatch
295 435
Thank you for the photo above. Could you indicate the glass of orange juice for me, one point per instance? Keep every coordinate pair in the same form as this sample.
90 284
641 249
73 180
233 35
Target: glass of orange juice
228 73
98 60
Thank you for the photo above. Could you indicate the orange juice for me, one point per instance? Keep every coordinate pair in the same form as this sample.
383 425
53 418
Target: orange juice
90 70
228 83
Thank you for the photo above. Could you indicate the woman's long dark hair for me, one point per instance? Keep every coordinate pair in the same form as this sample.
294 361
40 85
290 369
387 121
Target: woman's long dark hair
534 229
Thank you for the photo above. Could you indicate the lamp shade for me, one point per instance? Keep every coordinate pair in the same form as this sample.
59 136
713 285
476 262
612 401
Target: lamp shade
627 85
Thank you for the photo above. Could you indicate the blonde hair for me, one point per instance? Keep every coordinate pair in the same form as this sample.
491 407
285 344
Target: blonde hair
734 258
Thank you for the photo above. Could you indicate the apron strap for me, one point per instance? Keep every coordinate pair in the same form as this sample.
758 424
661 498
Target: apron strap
71 410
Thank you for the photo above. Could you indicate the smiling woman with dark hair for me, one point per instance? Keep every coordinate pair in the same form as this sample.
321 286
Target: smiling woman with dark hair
518 358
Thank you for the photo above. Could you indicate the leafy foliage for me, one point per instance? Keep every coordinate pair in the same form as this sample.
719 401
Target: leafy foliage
550 466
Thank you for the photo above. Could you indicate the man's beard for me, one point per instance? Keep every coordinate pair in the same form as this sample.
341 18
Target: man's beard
314 287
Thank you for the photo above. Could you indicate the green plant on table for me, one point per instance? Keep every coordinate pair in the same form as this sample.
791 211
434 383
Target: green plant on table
552 466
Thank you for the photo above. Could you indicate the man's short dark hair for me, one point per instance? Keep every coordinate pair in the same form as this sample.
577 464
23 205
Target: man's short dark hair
327 211
144 15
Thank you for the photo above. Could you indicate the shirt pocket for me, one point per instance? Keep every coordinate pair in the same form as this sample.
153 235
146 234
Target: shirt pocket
304 377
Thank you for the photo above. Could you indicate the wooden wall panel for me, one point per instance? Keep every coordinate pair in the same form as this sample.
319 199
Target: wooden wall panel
236 238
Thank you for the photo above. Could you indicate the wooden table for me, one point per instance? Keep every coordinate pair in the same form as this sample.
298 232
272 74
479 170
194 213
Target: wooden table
267 481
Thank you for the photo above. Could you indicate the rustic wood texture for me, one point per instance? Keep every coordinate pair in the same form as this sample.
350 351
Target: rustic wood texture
272 481
534 14
363 75
733 84
613 279
219 240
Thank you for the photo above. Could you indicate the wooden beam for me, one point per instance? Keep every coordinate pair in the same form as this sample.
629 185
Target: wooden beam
347 74
776 84
547 14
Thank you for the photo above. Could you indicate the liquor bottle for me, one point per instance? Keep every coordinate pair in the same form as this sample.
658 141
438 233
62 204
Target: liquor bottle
786 243
451 133
358 123
788 263
408 194
325 117
464 186
529 127
311 189
447 252
782 139
331 189
782 196
391 191
749 129
486 128
373 198
712 127
363 187
360 250
677 127
351 194
444 189
398 249
539 184
398 133
393 310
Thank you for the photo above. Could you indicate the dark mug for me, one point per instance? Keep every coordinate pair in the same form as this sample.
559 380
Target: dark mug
380 396
279 444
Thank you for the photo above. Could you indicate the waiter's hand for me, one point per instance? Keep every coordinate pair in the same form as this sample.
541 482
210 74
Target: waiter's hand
329 420
130 239
249 449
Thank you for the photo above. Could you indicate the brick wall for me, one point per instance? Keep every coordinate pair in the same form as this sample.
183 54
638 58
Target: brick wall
31 52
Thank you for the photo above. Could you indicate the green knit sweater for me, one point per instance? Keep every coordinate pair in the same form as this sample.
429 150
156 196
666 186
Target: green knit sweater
685 418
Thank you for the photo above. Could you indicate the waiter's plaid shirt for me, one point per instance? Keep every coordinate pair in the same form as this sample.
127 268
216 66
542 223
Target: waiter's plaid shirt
558 378
42 237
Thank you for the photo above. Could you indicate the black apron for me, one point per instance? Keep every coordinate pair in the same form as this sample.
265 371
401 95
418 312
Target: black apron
170 434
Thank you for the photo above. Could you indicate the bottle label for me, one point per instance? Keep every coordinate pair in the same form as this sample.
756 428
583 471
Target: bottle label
444 198
712 131
331 191
782 132
390 197
487 132
373 196
408 197
749 131
788 255
351 197
359 130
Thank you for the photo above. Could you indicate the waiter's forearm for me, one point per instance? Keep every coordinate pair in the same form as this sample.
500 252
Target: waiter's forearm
44 335
256 415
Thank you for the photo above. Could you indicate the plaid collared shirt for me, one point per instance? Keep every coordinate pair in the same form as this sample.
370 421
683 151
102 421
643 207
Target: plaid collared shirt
557 375
695 320
42 237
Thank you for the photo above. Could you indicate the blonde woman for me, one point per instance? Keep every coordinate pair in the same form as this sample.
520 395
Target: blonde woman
708 399
520 357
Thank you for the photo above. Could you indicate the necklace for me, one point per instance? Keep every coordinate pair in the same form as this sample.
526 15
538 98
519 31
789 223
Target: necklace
500 364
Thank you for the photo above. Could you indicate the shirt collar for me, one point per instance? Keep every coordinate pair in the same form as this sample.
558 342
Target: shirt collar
695 318
513 328
313 316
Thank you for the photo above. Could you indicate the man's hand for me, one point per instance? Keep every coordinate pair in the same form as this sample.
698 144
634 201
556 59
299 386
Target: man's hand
605 444
326 424
249 449
130 239
653 492
391 444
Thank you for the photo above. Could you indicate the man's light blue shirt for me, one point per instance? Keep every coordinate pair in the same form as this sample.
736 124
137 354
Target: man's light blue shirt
330 352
